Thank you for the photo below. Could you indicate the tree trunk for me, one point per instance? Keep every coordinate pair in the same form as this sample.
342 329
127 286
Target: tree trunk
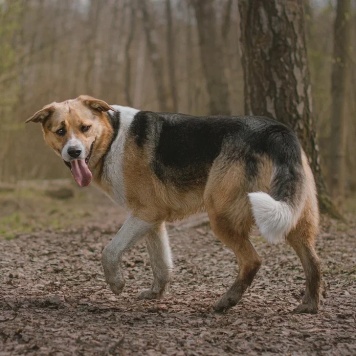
171 56
114 49
91 44
140 70
189 61
129 41
276 74
211 57
339 122
226 21
154 54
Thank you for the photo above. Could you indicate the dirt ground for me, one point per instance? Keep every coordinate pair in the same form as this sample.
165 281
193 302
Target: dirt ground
54 300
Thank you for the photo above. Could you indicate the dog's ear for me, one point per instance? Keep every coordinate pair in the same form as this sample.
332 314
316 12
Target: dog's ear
95 104
42 114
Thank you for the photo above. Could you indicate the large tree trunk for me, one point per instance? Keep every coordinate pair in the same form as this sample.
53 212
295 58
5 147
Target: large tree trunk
276 74
211 53
337 166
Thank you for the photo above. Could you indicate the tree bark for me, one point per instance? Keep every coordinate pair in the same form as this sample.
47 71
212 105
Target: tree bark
226 21
91 44
140 70
276 75
130 38
189 61
171 56
338 119
154 54
211 57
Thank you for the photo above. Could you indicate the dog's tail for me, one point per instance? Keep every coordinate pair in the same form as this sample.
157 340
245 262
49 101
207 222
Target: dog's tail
278 212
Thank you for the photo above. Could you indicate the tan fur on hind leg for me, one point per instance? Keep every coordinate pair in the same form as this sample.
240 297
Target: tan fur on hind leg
232 227
248 260
302 239
231 219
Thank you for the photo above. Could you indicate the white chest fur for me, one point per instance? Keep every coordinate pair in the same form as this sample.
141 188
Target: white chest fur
112 172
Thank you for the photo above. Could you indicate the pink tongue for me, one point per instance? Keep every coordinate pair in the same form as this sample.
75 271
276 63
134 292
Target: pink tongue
81 172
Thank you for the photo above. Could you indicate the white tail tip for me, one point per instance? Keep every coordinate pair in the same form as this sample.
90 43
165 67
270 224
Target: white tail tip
273 218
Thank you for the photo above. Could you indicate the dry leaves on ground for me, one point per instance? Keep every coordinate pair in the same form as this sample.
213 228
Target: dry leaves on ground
54 300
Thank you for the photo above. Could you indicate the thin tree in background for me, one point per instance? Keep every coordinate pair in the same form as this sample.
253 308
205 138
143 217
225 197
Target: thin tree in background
211 57
276 74
226 22
91 46
128 59
339 122
171 56
154 54
189 60
11 13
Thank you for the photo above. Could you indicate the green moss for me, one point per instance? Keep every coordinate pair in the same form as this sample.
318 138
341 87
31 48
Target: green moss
29 209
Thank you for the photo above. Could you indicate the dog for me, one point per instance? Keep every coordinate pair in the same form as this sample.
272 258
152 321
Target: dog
165 166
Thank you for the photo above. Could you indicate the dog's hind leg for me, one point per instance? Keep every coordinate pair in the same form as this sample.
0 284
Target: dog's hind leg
161 262
231 220
131 232
302 239
248 260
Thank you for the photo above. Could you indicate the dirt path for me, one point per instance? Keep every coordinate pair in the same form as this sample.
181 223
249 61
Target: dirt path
53 299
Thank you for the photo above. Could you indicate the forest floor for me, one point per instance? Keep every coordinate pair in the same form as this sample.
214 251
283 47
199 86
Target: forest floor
54 300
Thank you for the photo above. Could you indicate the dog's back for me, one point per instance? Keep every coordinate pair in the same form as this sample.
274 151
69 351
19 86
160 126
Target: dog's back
183 159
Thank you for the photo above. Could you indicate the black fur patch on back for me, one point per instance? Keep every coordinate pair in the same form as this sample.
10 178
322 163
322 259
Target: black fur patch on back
139 128
283 147
277 140
185 146
251 165
188 140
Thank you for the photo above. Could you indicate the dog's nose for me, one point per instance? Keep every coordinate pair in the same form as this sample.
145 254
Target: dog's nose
74 152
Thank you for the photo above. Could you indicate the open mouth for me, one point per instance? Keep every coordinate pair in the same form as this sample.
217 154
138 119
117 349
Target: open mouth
80 170
90 152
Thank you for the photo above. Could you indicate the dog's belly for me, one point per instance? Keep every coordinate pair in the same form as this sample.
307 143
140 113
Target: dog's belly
155 201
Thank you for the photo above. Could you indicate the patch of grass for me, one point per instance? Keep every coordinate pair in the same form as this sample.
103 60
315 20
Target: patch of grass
27 209
14 224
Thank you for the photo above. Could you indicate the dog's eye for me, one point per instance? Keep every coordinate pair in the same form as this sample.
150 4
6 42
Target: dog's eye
61 132
85 128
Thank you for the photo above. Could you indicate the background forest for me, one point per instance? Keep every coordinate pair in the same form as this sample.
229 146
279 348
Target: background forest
292 59
147 54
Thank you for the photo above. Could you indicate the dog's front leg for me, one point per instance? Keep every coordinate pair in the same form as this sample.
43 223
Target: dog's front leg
131 232
161 261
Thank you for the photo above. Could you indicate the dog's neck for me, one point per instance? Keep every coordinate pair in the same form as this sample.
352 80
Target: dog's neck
102 146
107 168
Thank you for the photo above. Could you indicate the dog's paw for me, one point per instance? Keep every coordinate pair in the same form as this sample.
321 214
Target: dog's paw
225 303
149 294
117 286
303 308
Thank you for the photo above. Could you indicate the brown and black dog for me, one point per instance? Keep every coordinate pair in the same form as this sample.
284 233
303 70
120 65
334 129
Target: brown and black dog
165 166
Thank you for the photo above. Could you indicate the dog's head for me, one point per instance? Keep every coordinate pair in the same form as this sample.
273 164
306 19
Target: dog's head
72 128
